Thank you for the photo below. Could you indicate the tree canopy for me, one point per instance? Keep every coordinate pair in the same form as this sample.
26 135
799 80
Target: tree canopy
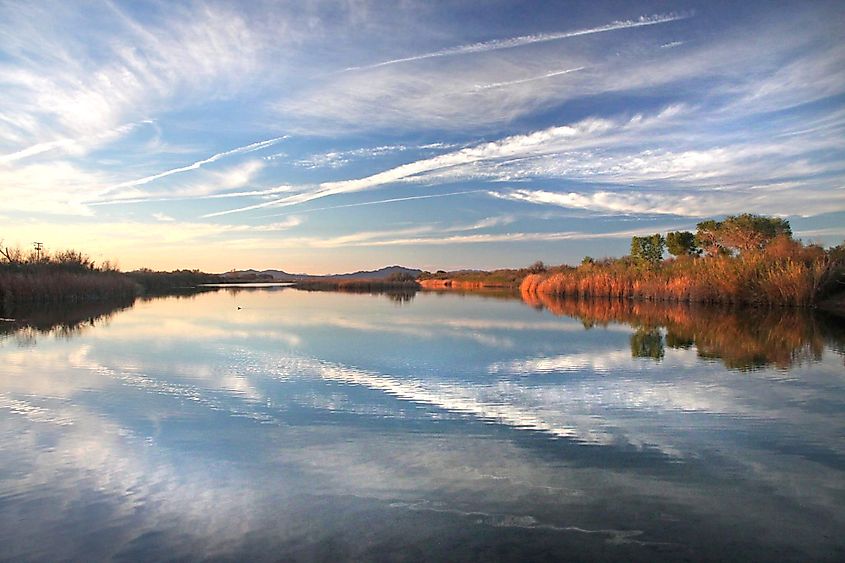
648 250
681 243
740 233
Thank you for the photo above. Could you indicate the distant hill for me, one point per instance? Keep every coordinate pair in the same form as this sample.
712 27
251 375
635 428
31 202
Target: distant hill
282 276
379 274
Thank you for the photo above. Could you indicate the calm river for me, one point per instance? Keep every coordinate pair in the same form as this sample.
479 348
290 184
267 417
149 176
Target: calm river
278 424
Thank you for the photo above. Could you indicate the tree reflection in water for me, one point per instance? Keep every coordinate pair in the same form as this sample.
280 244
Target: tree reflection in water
742 338
26 324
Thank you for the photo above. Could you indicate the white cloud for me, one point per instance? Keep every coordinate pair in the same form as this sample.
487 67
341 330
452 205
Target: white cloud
211 184
57 187
59 84
724 70
695 204
338 159
438 235
75 146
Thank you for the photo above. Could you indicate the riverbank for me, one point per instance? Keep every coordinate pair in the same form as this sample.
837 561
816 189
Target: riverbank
834 305
445 284
506 278
356 285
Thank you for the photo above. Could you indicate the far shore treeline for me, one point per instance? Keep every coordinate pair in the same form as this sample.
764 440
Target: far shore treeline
742 260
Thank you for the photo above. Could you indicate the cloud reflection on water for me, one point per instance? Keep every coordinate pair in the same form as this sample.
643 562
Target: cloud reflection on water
177 427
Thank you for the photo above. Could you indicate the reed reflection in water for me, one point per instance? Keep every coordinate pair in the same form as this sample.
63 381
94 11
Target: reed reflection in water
742 338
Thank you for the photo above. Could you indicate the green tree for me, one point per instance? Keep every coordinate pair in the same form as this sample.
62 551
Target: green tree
708 237
740 233
748 232
648 250
681 243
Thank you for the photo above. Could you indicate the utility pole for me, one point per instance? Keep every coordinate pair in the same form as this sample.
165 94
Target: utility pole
39 246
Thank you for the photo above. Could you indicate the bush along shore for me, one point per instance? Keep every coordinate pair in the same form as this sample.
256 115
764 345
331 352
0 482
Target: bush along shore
743 260
72 277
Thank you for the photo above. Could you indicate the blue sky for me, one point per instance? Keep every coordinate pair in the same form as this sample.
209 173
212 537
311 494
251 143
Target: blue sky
335 136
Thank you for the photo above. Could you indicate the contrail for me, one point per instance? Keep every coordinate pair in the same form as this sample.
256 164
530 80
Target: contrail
377 202
532 79
248 148
497 44
250 193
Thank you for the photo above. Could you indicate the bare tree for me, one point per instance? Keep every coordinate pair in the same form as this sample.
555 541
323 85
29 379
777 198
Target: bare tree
13 256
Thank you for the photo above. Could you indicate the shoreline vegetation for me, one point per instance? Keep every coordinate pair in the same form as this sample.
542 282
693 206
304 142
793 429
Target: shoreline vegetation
69 276
742 260
397 282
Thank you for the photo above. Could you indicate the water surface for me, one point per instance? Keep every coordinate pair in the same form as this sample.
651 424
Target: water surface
277 424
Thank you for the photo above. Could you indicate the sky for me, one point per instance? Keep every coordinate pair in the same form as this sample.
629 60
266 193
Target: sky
327 137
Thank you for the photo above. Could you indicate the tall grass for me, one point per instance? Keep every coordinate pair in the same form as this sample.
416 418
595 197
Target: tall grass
57 287
65 276
786 273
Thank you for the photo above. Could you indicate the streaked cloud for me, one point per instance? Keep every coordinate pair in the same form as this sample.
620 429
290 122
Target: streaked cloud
538 142
701 204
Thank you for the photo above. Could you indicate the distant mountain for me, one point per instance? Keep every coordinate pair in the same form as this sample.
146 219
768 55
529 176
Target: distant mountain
264 275
379 274
281 276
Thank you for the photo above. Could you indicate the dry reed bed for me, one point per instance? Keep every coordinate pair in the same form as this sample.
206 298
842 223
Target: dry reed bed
59 287
758 279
